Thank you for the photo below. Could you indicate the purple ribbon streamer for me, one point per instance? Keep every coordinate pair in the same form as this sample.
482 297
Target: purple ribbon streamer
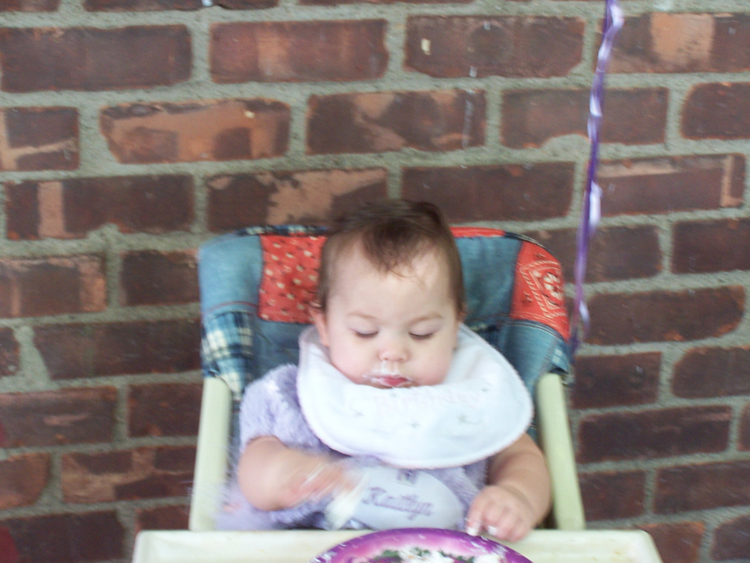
613 21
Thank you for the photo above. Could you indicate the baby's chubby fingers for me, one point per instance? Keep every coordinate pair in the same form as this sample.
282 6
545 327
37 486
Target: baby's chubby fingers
475 518
501 512
511 526
486 514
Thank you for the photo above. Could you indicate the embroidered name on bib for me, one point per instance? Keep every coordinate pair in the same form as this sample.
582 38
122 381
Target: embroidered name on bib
406 498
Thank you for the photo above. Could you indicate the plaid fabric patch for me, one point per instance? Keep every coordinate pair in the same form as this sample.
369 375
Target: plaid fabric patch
282 230
227 348
561 363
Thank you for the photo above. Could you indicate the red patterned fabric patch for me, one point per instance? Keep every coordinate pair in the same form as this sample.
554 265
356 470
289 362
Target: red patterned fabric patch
539 290
465 232
290 277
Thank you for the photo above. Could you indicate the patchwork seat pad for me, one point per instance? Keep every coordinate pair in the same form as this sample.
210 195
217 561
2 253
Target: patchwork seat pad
257 284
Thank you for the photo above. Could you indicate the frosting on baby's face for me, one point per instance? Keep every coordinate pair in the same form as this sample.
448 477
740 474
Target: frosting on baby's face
393 329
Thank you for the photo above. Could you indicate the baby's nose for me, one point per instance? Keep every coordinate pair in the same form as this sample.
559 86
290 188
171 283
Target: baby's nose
393 351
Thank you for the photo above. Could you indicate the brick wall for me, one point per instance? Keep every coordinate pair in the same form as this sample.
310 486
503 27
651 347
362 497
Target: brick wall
133 130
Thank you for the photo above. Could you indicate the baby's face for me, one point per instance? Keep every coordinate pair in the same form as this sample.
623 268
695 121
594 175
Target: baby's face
390 330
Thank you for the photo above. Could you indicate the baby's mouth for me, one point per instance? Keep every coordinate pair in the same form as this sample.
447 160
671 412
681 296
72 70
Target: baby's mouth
389 381
388 377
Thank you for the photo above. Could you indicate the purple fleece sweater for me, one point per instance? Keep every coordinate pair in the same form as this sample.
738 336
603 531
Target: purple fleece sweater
270 407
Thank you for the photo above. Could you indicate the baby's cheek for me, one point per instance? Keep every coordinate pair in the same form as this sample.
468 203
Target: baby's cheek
438 369
352 363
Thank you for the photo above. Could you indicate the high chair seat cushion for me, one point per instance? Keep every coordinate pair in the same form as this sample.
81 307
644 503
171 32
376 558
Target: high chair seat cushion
256 283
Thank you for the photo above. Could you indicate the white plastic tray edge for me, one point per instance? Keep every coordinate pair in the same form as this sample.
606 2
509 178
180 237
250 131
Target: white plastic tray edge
299 546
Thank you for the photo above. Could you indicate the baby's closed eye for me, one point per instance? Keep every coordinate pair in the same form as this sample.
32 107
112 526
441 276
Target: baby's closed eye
365 334
417 336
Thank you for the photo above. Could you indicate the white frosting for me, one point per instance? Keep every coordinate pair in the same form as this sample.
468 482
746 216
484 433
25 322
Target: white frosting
481 408
417 555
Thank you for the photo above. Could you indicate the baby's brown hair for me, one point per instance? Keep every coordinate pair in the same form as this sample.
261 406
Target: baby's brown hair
392 234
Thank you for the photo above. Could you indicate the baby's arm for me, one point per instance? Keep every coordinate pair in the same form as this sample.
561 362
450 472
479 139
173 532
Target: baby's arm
517 495
273 476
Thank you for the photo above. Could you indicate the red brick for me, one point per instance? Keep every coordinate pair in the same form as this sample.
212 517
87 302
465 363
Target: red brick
732 539
711 246
75 207
110 462
717 111
193 131
90 59
562 1
677 542
140 5
607 381
8 547
612 495
615 253
29 5
39 138
49 418
175 459
31 287
162 518
654 433
744 438
161 5
439 120
712 372
246 4
150 277
665 316
68 538
339 2
301 197
671 43
165 409
102 349
632 117
514 46
670 184
702 486
125 475
308 51
9 352
22 479
512 192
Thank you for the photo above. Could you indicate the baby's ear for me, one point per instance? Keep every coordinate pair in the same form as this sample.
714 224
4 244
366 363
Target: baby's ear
319 319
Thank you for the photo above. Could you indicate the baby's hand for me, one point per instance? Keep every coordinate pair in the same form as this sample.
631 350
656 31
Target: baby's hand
304 477
503 511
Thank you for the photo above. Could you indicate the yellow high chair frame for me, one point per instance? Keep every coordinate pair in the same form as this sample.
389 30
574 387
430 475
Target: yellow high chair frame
522 314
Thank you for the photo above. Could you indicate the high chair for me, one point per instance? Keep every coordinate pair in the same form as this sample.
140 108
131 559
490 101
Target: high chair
255 285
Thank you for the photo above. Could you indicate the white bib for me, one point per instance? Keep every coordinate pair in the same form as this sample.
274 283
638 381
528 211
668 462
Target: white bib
481 408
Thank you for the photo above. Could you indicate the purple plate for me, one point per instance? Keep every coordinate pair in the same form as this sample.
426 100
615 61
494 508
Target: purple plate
419 545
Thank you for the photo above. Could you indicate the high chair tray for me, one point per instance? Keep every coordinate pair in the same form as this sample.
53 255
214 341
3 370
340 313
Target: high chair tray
300 546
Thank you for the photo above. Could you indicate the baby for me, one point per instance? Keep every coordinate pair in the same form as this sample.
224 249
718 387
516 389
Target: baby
395 404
